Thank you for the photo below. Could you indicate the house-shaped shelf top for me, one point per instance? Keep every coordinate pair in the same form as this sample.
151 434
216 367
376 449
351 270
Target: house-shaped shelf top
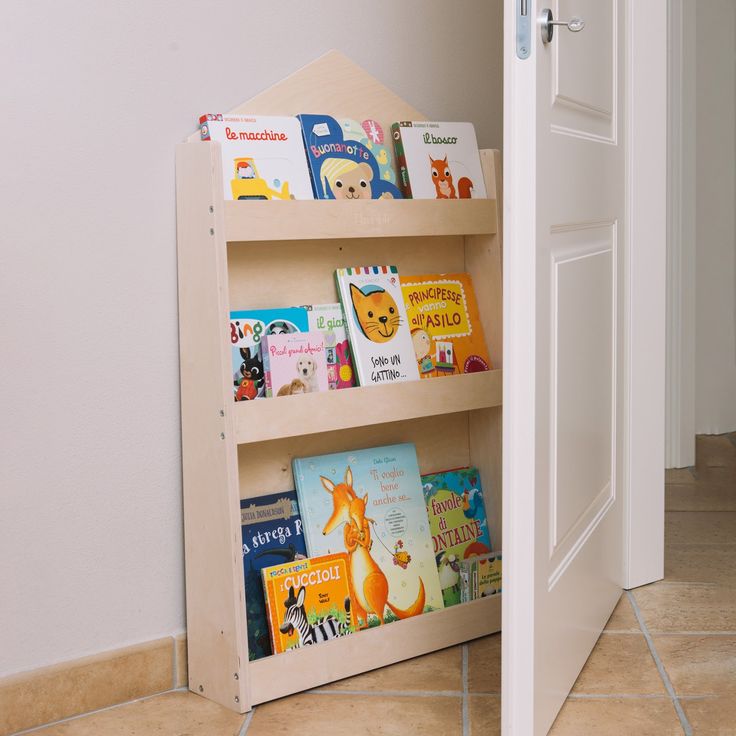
335 85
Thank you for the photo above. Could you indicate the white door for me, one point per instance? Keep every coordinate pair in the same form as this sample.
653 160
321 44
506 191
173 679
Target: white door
567 345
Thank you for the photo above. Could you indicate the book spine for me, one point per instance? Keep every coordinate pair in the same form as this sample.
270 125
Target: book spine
340 282
404 183
265 357
303 502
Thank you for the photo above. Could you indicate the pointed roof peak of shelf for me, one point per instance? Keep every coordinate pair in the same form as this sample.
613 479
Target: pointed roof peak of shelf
332 84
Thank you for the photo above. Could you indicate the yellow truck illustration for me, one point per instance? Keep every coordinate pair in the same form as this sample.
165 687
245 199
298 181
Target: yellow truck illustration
247 184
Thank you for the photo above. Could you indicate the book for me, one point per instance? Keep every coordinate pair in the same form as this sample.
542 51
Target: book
445 325
438 160
480 576
329 319
294 363
247 329
458 523
308 601
378 329
369 503
347 161
262 156
272 533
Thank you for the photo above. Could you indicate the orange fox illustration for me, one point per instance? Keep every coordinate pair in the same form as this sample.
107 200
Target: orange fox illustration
443 184
369 581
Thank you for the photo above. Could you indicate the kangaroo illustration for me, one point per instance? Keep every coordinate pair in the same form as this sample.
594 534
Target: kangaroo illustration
369 581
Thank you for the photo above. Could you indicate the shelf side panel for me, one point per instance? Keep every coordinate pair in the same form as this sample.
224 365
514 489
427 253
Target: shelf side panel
213 548
309 667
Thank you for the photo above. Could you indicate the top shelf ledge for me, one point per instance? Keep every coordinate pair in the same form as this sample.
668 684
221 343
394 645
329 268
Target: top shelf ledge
324 220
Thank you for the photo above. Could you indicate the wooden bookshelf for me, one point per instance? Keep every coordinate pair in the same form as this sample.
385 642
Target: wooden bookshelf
235 255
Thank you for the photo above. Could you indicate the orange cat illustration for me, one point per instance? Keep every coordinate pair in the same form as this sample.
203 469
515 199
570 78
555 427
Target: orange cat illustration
377 313
369 581
442 178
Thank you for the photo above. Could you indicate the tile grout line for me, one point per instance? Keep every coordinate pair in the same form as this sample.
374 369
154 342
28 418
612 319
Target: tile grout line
466 715
391 693
686 727
246 723
103 709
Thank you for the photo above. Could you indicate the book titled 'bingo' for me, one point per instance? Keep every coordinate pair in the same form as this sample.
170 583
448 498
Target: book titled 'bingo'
377 324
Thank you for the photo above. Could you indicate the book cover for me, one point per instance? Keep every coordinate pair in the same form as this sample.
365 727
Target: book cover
329 319
294 363
262 156
481 576
438 160
272 533
308 601
458 523
369 503
247 329
445 325
377 324
347 160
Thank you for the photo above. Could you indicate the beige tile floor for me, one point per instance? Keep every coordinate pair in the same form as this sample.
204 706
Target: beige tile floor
666 663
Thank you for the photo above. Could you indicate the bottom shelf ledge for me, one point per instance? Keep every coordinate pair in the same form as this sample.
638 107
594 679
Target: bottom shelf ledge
303 669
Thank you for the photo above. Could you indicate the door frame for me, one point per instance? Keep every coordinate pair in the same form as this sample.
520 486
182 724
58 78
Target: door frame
642 485
680 437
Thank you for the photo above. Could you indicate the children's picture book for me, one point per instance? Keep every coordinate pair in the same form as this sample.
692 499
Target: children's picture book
329 319
348 159
377 324
309 601
480 576
294 363
438 160
369 503
272 534
457 520
262 156
445 325
247 330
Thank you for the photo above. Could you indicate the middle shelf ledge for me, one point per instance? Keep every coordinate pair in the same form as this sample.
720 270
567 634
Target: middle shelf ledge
294 416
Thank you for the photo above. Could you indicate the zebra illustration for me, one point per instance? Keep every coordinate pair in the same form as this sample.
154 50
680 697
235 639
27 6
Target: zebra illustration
326 628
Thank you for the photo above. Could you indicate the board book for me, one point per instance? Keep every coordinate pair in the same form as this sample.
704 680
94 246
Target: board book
247 329
481 576
377 324
272 533
438 160
347 160
262 156
329 319
308 601
458 523
294 363
369 503
445 325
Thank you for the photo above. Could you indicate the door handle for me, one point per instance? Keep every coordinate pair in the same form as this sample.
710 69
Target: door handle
547 24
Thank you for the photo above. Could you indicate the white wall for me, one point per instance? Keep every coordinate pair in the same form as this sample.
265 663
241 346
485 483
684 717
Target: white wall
94 97
715 301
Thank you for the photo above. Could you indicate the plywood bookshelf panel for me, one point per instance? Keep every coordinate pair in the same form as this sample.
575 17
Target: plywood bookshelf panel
321 220
441 442
334 660
266 254
292 416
